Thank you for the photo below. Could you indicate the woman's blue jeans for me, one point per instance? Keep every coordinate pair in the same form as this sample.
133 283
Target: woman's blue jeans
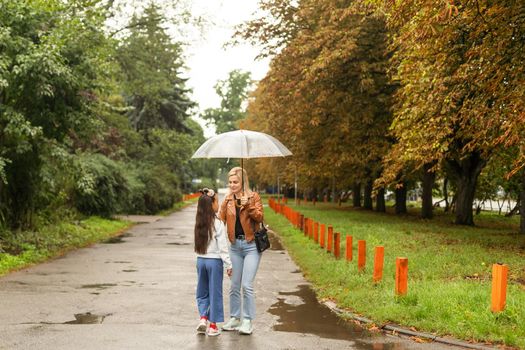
245 262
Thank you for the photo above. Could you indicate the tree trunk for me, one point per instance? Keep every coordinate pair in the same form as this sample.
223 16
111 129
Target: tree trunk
333 190
467 172
522 204
516 208
428 182
445 194
356 195
380 201
401 200
368 195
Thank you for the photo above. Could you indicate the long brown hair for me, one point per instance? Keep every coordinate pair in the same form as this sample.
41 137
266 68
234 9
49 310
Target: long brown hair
204 223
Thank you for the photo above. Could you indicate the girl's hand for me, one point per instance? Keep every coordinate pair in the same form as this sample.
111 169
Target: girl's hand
229 272
244 200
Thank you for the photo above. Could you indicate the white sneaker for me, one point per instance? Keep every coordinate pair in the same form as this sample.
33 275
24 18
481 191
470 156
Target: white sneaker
201 328
232 325
246 327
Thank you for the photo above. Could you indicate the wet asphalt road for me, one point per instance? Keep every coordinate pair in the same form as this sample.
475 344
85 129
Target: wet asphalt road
138 292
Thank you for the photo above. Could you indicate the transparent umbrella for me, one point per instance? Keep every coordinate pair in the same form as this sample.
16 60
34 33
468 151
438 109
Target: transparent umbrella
243 144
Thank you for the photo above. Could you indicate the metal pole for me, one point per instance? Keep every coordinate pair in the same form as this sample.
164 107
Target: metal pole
278 188
295 185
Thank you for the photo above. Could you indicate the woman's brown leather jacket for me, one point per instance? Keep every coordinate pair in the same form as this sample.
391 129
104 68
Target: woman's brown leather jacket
251 215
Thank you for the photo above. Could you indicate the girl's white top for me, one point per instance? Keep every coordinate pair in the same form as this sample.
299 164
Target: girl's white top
218 245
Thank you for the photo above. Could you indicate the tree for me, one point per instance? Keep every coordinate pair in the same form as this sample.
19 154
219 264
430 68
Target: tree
234 93
461 79
151 62
327 92
52 61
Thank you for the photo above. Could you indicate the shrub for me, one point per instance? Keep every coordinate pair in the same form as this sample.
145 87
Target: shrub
101 186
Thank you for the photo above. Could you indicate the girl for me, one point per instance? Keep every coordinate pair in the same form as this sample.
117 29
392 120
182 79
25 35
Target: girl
243 212
212 255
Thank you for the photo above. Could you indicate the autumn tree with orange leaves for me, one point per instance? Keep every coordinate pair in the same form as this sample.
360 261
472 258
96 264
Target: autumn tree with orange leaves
327 92
331 92
460 65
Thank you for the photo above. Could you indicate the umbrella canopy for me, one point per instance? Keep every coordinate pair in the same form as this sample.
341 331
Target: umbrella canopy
242 144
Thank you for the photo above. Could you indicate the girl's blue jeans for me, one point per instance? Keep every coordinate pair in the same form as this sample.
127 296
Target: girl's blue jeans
209 289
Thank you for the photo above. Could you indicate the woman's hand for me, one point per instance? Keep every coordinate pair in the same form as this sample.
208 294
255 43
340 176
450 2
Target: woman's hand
229 272
244 200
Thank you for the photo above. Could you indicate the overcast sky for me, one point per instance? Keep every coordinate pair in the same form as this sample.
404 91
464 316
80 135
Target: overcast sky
208 61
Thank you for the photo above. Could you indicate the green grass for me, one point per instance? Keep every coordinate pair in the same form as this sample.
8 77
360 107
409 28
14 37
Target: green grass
449 287
31 247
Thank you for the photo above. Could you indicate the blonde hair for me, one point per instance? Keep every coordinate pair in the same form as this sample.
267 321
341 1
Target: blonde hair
238 171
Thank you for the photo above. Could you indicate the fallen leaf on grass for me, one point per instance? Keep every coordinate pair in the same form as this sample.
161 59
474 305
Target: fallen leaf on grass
420 340
374 328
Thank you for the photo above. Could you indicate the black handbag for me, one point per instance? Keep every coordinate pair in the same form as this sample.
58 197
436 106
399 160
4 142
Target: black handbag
261 239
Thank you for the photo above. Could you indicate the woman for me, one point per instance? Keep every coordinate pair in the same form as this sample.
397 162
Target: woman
242 212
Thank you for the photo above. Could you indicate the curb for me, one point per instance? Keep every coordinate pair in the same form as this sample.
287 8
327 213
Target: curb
403 331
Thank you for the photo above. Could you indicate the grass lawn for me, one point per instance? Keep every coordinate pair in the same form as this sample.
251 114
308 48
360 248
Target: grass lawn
33 247
450 266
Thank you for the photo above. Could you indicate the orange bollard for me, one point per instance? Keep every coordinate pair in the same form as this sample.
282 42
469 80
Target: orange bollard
499 287
401 276
337 245
322 235
378 263
330 239
349 248
316 232
361 254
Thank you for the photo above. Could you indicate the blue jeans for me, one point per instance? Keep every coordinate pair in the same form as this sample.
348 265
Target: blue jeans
209 289
245 262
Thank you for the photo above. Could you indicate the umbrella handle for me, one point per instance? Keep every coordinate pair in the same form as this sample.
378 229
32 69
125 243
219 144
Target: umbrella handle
242 176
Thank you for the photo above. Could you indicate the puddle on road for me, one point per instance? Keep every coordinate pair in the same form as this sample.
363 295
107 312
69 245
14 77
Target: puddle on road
87 318
99 285
129 270
162 228
177 243
19 283
300 312
117 239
